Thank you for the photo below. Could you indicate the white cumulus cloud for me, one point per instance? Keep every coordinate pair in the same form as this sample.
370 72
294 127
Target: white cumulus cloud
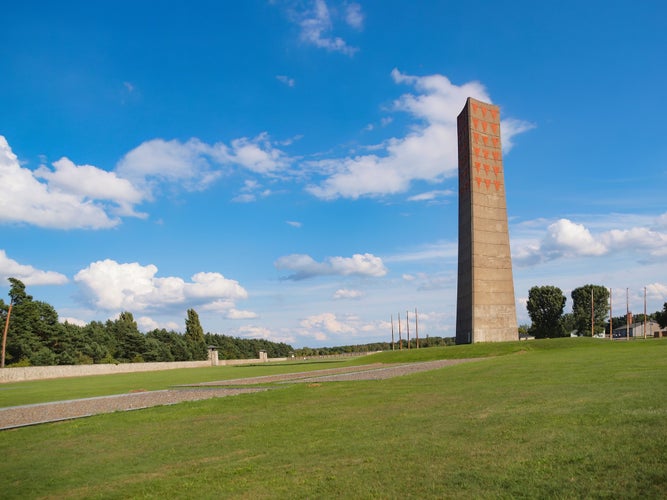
9 268
60 203
429 152
195 164
92 183
261 332
157 160
567 239
304 266
238 314
344 293
114 286
661 221
321 326
72 321
657 290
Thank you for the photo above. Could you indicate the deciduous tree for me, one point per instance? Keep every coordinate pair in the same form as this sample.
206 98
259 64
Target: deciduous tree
661 316
545 308
581 308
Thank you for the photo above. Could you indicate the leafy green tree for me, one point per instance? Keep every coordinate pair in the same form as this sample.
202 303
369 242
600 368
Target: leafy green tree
545 308
194 335
581 308
661 316
568 323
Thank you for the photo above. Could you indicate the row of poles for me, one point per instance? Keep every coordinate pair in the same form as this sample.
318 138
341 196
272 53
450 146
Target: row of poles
407 330
611 316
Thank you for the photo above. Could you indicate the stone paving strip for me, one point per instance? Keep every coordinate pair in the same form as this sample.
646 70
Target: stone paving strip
287 377
20 416
387 371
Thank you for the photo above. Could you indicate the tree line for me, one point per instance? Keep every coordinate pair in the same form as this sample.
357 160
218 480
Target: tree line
36 337
375 346
546 305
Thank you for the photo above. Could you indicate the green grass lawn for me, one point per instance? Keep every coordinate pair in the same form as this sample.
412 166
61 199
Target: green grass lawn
565 418
43 391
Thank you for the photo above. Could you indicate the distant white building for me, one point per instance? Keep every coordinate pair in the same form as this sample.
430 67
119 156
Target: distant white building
637 330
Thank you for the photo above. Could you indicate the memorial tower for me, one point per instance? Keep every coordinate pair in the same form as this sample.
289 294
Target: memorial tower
486 310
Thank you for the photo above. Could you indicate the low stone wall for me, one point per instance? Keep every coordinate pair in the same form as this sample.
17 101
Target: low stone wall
24 373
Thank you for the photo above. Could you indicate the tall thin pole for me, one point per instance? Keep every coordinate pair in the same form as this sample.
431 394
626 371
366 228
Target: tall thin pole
400 340
611 318
4 334
392 332
417 328
592 314
627 314
407 327
644 313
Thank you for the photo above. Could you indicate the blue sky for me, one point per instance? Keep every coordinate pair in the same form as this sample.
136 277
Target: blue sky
288 168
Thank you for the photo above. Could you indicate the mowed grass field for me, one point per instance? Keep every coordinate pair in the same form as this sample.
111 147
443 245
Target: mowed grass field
562 418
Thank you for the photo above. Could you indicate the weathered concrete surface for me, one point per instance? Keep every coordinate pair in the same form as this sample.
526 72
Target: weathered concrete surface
486 310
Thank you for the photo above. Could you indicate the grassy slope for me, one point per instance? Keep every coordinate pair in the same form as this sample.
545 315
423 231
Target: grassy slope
558 418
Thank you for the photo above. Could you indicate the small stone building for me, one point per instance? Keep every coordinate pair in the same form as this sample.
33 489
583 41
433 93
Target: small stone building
636 330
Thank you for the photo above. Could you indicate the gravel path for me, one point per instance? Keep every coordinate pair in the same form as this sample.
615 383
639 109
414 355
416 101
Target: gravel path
20 416
387 371
294 377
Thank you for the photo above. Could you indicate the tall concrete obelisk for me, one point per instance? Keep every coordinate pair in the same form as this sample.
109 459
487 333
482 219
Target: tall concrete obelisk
486 310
